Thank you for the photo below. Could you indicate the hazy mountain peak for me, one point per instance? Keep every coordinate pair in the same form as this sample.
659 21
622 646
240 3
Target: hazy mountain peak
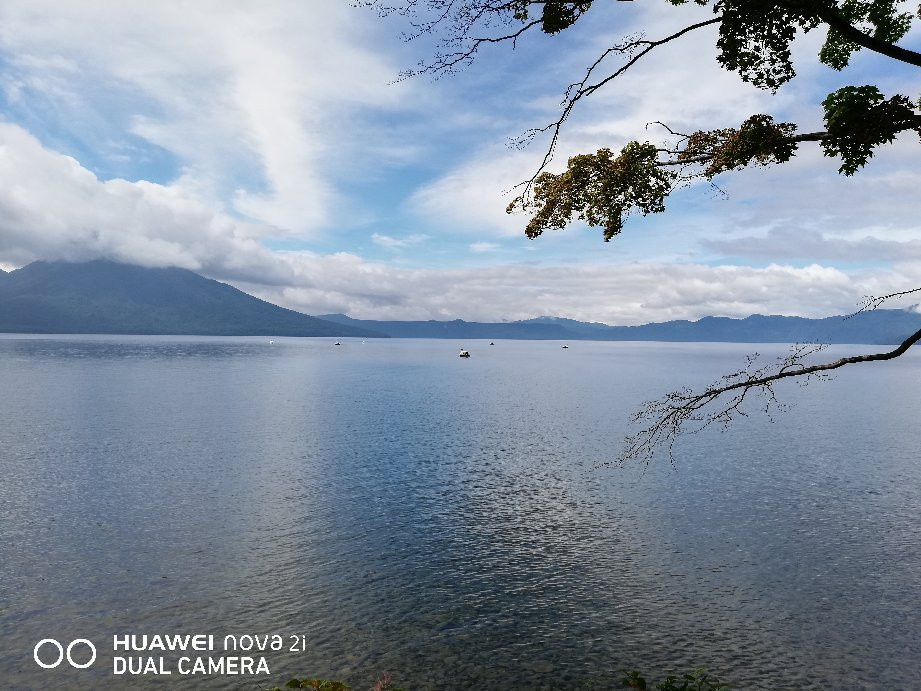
104 296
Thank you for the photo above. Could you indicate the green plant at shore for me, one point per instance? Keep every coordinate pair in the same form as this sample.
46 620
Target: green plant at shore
383 683
695 680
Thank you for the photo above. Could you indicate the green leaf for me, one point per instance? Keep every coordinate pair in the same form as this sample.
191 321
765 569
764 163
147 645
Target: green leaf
859 119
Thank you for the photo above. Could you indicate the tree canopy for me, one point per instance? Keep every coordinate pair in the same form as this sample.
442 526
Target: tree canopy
754 40
605 187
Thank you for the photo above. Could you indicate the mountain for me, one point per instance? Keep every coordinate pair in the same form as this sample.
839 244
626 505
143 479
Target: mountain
109 298
872 328
457 328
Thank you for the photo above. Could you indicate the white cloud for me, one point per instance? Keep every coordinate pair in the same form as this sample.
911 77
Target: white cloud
259 103
393 243
53 208
480 247
791 243
615 294
272 111
386 241
472 198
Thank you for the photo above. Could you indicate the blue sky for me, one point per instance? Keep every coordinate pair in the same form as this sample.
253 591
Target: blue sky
268 145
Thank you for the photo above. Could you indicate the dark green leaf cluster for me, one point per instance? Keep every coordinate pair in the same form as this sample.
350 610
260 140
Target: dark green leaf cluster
759 140
877 18
860 118
556 15
695 680
384 683
754 40
600 189
755 37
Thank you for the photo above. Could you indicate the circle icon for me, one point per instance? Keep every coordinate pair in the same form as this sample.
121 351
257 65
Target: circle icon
62 653
56 645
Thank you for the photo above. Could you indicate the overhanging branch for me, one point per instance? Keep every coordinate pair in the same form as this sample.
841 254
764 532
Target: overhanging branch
666 418
705 158
636 48
836 22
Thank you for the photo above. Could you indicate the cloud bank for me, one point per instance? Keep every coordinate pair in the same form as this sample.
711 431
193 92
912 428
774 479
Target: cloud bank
265 146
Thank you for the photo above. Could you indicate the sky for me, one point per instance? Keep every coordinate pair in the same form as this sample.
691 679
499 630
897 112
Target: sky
273 146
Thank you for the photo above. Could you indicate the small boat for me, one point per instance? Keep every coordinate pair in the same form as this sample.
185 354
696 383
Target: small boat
271 342
565 346
491 343
337 343
464 353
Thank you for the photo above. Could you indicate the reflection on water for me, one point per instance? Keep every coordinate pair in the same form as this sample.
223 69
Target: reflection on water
443 519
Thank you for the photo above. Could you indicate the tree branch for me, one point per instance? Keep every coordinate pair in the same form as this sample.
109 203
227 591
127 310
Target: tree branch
445 63
705 158
836 22
667 417
579 90
872 302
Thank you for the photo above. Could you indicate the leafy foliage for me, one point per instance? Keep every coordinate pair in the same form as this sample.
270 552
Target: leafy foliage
555 16
754 40
755 37
383 683
757 140
601 189
860 118
695 680
879 18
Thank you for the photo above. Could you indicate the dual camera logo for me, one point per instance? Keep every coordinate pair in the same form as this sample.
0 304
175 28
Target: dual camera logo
47 659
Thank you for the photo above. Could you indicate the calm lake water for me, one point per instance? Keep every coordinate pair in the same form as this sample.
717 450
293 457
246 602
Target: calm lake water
443 519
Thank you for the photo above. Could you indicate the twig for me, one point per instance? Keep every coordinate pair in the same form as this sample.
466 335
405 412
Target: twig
666 418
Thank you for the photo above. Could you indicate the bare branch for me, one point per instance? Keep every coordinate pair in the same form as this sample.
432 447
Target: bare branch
635 49
672 132
445 63
721 403
871 302
463 27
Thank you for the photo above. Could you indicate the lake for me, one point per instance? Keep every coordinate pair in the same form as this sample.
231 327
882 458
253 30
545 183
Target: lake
400 509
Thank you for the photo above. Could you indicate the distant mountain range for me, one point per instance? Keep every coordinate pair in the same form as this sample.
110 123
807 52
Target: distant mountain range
874 327
110 298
